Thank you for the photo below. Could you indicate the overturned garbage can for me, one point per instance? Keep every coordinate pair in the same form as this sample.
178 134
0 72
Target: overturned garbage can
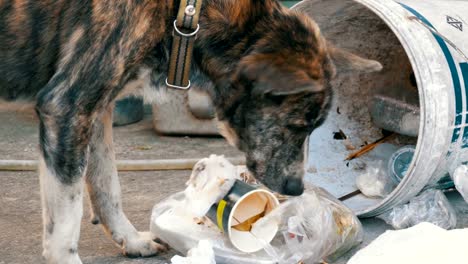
421 95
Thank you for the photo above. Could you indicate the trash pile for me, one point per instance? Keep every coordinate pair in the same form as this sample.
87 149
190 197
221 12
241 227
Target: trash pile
225 216
375 182
431 206
386 167
307 229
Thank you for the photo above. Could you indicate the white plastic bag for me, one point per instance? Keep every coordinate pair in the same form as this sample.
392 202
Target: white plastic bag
460 178
375 181
430 206
313 227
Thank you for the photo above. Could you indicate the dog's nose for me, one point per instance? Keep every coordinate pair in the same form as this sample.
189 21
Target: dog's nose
293 187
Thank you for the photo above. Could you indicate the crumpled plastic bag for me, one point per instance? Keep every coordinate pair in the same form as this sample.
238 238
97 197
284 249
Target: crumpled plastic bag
202 254
430 206
313 227
460 178
375 181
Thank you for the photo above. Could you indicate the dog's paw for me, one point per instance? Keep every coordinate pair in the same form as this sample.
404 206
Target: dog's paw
142 246
62 259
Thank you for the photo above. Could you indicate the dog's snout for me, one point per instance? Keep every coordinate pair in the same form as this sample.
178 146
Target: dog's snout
293 187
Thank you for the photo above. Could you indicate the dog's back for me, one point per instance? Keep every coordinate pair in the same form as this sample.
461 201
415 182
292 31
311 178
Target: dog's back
30 45
34 35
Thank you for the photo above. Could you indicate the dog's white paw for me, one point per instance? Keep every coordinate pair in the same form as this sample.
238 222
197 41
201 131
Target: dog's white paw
62 258
142 245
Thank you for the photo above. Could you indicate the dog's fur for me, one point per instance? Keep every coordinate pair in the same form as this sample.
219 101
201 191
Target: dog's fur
267 69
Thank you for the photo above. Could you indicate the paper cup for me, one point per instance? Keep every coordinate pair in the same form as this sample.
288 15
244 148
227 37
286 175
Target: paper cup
238 210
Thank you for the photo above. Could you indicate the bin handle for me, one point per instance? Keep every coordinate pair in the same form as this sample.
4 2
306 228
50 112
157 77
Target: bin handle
433 30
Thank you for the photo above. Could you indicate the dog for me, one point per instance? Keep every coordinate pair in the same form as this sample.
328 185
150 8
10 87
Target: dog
266 68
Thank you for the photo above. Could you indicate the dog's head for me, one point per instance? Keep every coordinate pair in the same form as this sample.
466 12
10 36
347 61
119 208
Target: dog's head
278 90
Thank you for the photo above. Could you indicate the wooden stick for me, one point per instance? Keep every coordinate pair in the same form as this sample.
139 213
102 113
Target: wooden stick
368 148
122 165
349 195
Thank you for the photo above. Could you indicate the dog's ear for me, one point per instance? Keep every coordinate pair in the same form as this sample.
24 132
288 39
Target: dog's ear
346 62
273 80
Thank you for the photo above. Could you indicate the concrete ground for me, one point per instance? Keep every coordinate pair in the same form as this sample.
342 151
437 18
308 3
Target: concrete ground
20 212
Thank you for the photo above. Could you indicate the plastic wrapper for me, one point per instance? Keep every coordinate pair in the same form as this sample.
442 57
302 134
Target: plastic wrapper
430 206
202 254
460 178
375 182
313 227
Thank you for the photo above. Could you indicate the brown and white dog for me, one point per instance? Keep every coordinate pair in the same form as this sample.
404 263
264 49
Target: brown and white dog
266 68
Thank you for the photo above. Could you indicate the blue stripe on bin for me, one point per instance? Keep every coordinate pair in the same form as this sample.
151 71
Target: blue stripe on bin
464 70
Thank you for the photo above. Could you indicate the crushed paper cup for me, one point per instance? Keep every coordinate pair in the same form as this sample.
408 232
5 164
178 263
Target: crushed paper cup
237 213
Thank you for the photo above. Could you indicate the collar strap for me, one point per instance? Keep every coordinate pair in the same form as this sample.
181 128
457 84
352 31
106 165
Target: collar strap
185 31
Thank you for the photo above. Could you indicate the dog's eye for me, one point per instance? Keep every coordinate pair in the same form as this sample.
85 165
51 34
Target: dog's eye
276 99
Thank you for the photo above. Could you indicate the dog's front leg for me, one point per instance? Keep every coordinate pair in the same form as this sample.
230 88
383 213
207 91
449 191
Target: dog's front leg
104 192
63 156
100 56
62 212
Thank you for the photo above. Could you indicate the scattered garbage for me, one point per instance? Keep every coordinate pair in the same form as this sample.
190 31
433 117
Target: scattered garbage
424 243
202 254
385 167
375 181
431 206
460 178
399 163
313 227
210 181
239 210
310 228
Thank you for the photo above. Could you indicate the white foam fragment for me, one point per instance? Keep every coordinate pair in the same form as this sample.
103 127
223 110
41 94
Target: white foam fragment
202 254
424 243
211 180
